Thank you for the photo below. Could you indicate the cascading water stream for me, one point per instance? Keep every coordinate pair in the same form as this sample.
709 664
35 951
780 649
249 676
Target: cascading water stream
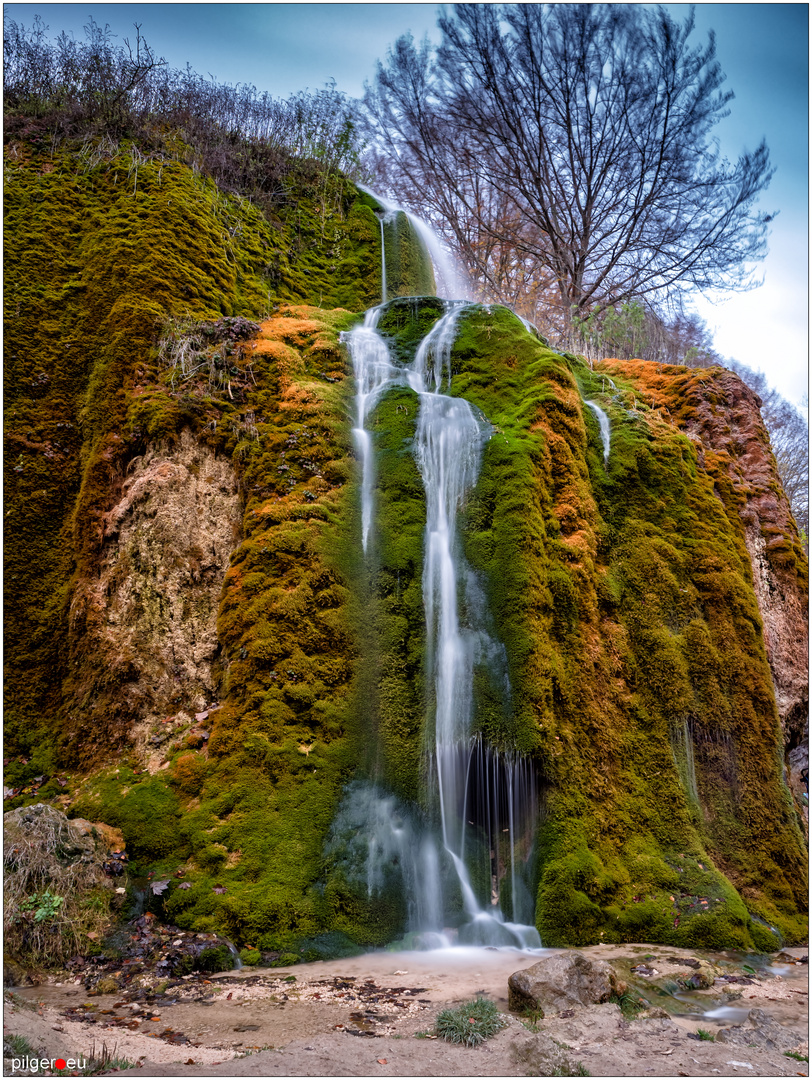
451 282
374 371
470 778
449 440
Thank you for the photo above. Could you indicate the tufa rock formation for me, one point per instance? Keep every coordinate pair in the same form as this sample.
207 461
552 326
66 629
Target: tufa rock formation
198 655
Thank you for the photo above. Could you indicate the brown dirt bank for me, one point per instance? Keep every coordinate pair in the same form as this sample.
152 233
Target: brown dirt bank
365 1017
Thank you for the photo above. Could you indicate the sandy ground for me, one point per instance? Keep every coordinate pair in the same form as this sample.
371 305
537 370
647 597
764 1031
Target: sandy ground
373 1016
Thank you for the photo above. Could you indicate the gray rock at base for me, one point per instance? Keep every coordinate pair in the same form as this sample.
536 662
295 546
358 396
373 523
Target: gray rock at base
560 982
539 1055
762 1030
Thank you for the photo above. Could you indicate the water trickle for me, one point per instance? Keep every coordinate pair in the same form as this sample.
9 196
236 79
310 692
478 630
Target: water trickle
374 371
603 421
682 750
384 296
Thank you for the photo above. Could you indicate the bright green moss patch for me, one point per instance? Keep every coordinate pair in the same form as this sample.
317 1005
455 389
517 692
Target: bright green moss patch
393 608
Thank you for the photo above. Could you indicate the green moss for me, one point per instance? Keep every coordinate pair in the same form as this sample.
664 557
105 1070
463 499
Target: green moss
215 959
392 687
625 601
95 263
408 265
404 322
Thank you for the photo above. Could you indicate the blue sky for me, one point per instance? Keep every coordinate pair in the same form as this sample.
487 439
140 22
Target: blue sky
763 49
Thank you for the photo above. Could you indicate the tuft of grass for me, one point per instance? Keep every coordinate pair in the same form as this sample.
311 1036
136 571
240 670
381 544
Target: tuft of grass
531 1016
630 1004
470 1023
705 1036
17 1046
100 1062
797 1057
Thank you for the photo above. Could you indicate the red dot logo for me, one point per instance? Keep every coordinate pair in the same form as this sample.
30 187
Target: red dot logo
60 1063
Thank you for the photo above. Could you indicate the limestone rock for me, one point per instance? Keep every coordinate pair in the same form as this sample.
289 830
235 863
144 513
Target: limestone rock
561 981
539 1055
150 616
701 978
762 1030
730 421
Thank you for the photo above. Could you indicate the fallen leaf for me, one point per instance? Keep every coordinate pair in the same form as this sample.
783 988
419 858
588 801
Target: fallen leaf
185 885
381 1061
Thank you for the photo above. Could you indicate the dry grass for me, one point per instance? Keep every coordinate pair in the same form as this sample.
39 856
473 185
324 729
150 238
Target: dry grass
57 899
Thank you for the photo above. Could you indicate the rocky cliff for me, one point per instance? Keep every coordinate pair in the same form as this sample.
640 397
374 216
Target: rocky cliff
196 655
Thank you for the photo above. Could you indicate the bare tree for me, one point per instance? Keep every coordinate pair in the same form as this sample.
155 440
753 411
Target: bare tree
580 137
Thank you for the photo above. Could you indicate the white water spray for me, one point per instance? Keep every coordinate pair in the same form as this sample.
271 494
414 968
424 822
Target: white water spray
374 371
603 421
449 440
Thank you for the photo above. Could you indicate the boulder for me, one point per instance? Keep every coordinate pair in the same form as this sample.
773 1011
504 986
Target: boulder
762 1030
561 981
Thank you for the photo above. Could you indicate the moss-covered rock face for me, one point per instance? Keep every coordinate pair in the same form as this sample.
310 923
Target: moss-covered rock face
102 246
405 321
624 596
199 654
242 799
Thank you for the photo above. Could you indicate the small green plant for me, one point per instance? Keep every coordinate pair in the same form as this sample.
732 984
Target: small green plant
705 1036
471 1023
45 905
575 1068
100 1062
630 1005
215 959
531 1015
797 1057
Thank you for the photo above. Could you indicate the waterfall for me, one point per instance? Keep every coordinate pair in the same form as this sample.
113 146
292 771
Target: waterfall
603 420
452 283
483 800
